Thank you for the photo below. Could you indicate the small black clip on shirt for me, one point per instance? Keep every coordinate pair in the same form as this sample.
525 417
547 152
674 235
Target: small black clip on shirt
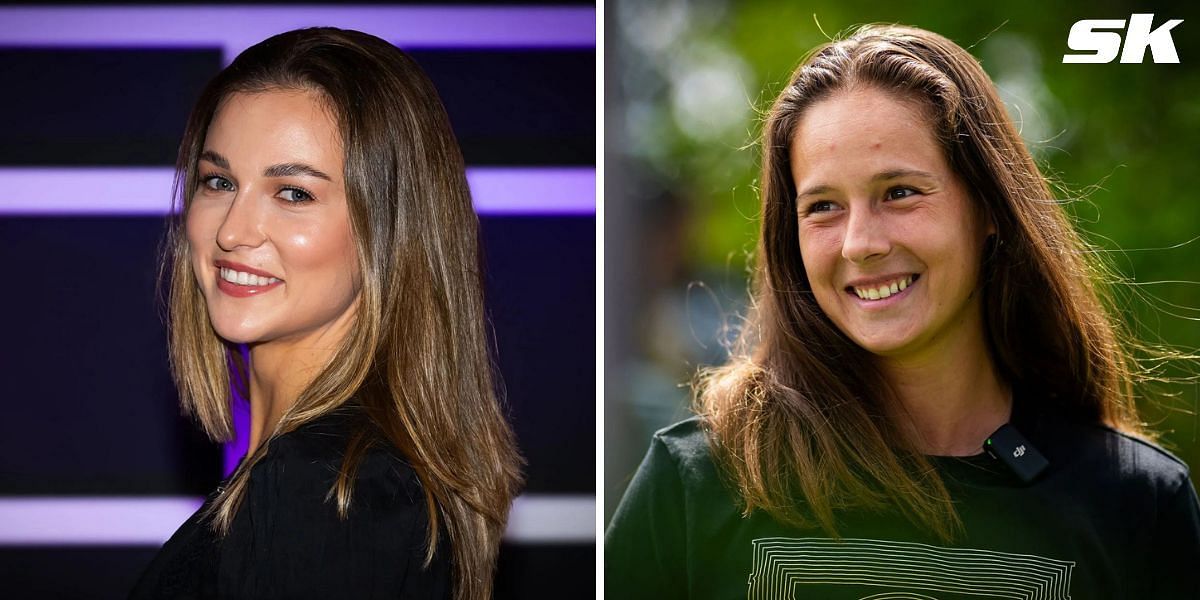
1011 448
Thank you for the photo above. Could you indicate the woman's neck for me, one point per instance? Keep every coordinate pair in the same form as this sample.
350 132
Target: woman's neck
952 397
281 369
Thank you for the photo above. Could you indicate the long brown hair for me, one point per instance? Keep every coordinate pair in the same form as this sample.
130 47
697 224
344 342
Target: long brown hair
801 411
417 355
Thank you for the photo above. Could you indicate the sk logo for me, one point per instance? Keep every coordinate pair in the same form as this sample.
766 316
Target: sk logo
1104 45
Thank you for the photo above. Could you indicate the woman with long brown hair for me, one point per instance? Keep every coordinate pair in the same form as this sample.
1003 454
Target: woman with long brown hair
325 225
933 396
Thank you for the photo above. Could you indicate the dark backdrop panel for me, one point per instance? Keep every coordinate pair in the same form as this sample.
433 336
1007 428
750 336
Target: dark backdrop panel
90 405
99 107
541 287
524 106
357 2
548 571
80 573
91 408
525 572
129 106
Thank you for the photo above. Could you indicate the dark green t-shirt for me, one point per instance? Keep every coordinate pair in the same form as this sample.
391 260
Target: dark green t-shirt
1111 517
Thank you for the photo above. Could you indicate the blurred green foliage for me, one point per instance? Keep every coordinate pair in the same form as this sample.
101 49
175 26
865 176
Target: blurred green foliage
1121 141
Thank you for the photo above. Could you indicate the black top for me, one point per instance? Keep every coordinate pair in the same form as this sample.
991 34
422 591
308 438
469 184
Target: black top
1111 517
287 541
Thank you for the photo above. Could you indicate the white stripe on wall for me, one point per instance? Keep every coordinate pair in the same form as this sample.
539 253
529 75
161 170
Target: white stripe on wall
147 190
235 28
150 521
550 519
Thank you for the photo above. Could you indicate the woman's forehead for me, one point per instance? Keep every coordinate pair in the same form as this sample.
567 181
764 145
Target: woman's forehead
865 128
253 130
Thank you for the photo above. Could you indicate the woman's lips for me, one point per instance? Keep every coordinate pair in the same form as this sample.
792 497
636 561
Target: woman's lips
239 267
241 281
244 291
883 302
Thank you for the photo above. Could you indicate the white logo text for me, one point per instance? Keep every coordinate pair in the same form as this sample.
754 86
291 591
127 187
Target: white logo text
1105 45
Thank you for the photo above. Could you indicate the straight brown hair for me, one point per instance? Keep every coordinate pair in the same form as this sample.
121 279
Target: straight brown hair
417 357
798 435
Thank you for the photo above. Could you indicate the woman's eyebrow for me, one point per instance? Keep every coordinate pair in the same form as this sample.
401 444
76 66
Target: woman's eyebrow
215 159
898 173
280 170
824 188
815 190
289 169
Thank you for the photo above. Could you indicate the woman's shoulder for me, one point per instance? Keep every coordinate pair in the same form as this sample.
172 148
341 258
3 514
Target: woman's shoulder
1091 452
311 457
1095 455
678 466
289 538
686 449
686 437
1130 457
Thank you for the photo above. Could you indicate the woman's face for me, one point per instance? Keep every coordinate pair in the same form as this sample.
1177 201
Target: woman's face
888 233
268 225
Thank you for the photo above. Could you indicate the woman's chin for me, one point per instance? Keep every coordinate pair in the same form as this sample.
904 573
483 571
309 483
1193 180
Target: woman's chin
237 335
887 345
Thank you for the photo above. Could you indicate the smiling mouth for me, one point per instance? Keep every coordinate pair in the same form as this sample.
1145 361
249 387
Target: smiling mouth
883 290
245 279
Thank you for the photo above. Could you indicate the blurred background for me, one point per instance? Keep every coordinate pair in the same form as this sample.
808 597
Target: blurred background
686 84
97 466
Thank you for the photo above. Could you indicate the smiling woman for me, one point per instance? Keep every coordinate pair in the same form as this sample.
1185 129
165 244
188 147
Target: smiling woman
257 233
889 234
933 394
327 228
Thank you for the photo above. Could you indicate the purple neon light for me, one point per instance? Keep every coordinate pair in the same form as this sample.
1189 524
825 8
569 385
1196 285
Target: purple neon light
235 450
562 190
240 409
69 521
147 191
235 28
136 521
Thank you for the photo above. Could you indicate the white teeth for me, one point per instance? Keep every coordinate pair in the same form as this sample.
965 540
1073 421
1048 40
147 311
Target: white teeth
241 278
885 290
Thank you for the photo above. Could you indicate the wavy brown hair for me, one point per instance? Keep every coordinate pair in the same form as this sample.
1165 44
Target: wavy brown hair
787 419
417 355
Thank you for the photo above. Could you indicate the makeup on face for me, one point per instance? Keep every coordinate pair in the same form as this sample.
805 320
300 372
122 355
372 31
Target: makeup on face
242 281
268 223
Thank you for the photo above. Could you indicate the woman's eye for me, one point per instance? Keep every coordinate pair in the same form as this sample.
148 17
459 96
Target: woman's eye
295 195
897 193
218 183
821 206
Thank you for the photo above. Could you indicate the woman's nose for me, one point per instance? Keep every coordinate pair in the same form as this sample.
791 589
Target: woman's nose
242 225
866 236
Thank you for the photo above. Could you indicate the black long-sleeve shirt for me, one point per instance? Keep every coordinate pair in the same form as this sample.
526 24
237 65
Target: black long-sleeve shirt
286 540
1112 517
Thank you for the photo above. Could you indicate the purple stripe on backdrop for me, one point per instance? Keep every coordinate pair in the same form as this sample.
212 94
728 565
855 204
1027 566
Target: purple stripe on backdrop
235 450
235 28
147 191
68 521
134 521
